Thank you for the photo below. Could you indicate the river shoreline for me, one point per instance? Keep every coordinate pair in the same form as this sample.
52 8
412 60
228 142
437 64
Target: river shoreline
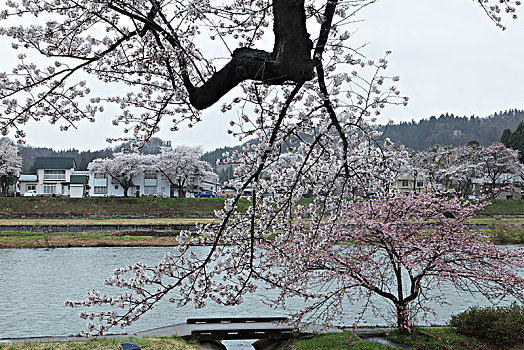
144 232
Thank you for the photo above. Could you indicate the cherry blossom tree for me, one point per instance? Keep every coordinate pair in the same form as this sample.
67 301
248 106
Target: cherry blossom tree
458 167
402 247
122 168
500 166
179 164
10 165
312 92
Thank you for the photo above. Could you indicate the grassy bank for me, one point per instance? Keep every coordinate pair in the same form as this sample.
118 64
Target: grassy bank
105 344
35 235
503 231
106 221
505 207
49 207
421 339
14 239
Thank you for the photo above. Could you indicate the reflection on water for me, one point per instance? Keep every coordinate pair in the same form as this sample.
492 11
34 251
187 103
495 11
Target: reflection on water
36 282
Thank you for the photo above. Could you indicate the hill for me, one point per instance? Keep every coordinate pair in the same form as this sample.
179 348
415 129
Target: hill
449 129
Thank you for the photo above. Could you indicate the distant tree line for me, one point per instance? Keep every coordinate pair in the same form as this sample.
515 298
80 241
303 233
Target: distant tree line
447 129
452 130
515 140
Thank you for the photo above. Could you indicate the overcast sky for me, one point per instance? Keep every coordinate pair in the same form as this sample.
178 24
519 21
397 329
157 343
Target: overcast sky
449 55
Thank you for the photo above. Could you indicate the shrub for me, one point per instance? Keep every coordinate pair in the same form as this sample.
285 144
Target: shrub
502 325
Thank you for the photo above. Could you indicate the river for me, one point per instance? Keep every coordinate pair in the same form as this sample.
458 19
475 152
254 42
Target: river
36 282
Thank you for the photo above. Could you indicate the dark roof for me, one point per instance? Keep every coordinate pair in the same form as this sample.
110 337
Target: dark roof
78 179
54 163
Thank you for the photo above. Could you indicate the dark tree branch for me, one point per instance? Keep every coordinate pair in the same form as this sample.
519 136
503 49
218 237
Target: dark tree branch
289 61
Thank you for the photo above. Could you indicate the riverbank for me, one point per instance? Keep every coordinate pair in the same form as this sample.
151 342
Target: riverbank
125 232
117 207
61 233
148 232
111 207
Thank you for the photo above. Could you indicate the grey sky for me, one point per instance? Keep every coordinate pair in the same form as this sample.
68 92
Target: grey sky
449 55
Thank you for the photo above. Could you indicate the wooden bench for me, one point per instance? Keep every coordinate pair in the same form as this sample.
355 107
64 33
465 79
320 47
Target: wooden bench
230 328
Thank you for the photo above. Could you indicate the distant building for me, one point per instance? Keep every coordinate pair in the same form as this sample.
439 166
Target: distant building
405 182
55 176
148 184
511 187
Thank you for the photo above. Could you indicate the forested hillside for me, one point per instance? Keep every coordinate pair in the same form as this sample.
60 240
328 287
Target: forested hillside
449 129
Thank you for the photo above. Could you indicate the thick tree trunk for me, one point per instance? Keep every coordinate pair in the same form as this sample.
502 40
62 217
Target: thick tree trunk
4 186
289 61
403 324
125 191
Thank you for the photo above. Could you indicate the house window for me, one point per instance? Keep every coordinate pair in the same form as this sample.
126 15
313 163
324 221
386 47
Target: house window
54 174
420 184
150 176
49 188
31 187
116 187
405 183
149 190
65 189
509 196
100 176
100 189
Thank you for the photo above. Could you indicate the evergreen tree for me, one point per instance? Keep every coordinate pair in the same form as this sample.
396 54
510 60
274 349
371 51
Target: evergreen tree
515 140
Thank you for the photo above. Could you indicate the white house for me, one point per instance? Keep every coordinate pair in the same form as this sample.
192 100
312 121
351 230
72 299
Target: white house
146 184
55 176
149 183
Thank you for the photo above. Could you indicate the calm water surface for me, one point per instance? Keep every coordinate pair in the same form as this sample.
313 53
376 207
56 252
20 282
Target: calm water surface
36 282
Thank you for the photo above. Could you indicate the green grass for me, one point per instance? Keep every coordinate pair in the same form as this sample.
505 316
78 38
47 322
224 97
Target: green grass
110 207
506 207
171 343
443 339
15 239
422 339
503 230
105 221
337 341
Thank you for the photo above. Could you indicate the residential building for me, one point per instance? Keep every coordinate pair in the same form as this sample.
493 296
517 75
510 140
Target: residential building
149 183
511 186
406 182
55 176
